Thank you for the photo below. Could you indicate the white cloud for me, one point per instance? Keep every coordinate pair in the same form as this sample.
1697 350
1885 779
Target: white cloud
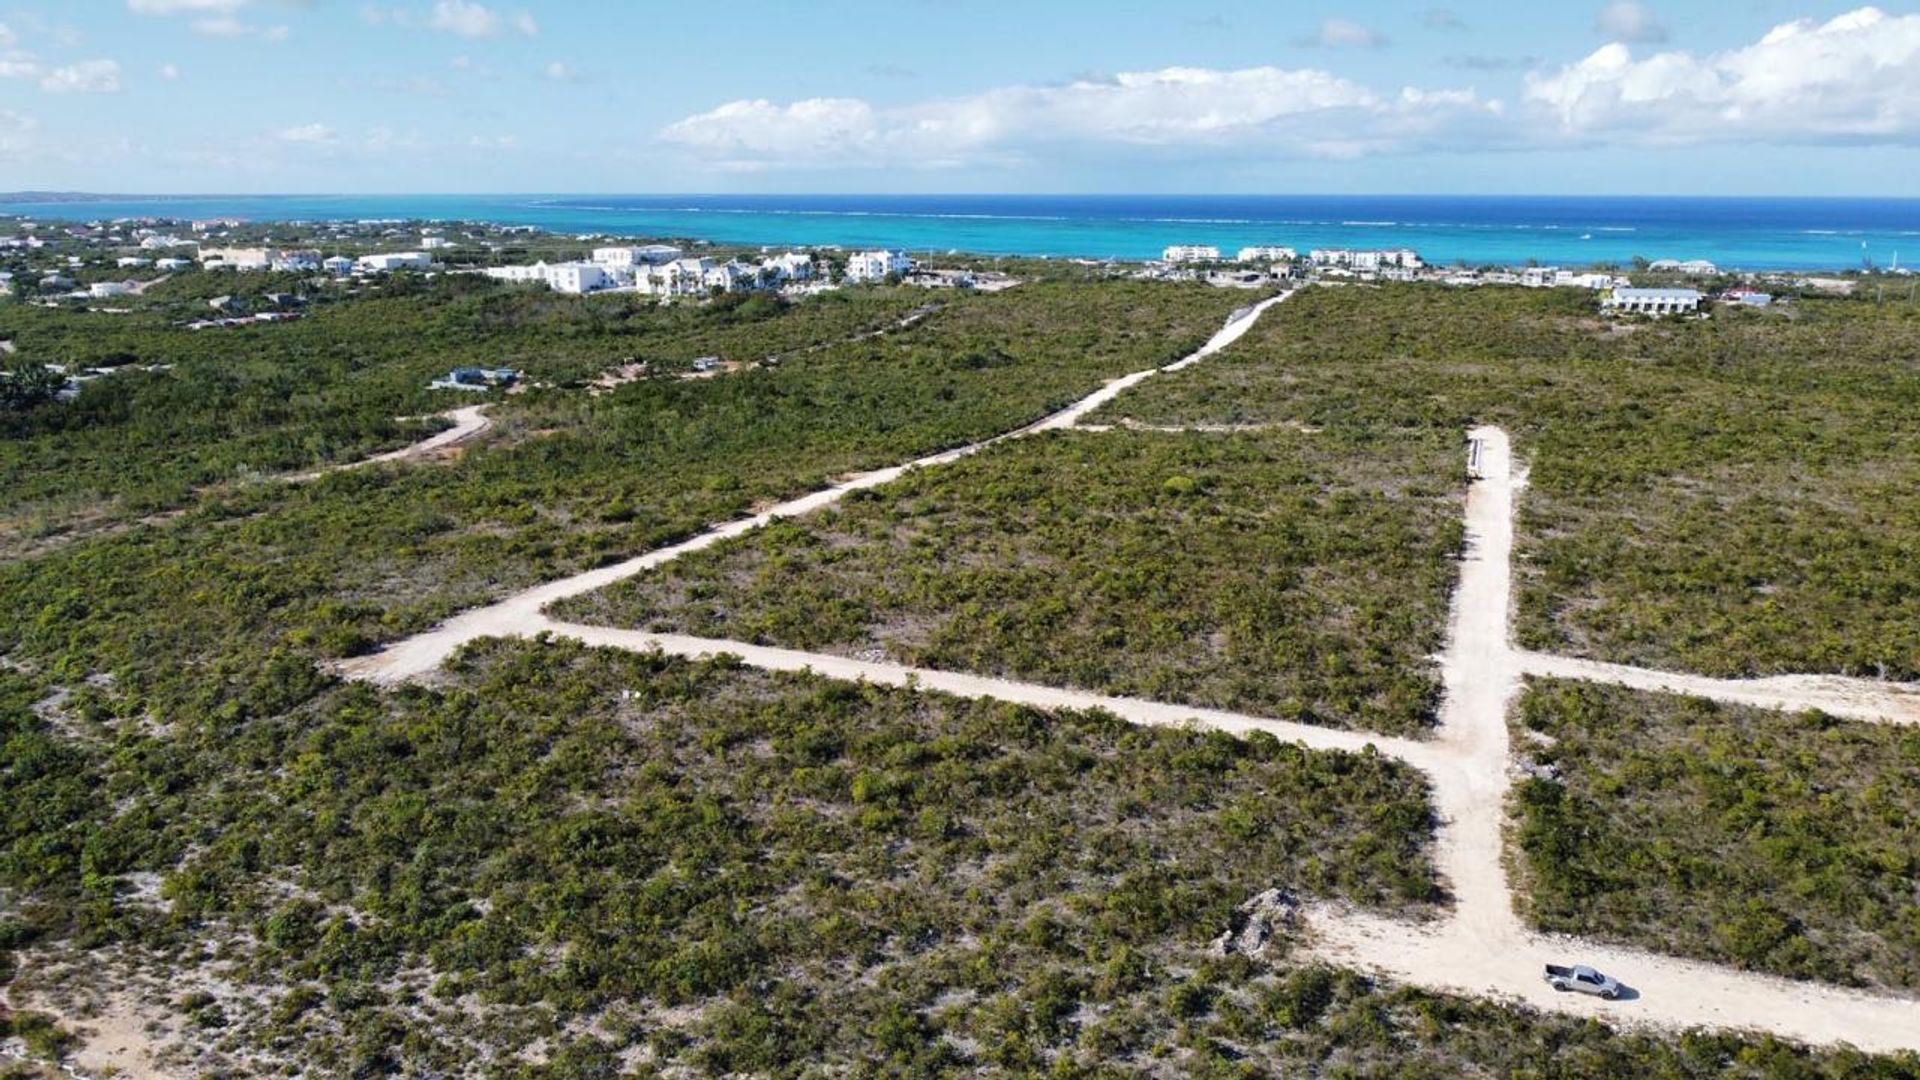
8 39
169 72
1440 18
560 72
1630 20
230 27
309 134
18 65
496 142
469 19
1853 78
85 77
1264 111
1345 33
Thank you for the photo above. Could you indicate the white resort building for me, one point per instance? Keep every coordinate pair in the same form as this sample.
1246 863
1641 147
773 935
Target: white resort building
878 265
1180 253
1266 254
1652 301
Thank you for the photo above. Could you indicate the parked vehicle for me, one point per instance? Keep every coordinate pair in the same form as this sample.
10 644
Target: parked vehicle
1582 979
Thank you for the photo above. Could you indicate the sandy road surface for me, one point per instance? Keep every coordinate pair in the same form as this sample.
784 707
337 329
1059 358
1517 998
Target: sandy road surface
519 615
960 684
1483 948
468 422
1855 699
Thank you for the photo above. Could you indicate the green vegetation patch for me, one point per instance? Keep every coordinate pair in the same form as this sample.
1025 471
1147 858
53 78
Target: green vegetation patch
743 871
1736 496
1291 575
1775 842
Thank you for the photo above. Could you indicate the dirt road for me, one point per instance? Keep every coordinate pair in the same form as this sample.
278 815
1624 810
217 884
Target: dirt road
1483 947
519 615
1856 699
469 421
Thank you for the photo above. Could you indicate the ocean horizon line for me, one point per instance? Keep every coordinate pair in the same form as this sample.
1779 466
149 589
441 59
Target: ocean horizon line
1749 232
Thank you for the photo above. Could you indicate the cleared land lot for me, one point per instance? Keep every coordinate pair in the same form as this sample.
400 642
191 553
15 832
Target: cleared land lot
1736 496
1775 842
1297 576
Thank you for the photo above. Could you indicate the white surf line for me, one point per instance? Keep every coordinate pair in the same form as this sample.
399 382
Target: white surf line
414 657
962 684
1483 948
468 421
1856 699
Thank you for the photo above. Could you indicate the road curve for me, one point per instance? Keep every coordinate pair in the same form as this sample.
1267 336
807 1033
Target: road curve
468 422
418 655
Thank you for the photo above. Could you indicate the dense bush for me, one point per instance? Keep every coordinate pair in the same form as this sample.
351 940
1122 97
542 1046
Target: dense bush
1298 576
1738 495
568 832
1774 842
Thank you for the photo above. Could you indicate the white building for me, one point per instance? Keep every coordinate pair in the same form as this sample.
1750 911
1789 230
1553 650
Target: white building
132 262
170 265
297 261
152 243
733 276
573 277
577 277
1652 301
627 257
878 265
1180 253
434 243
100 290
1691 267
793 266
235 258
1405 258
398 260
1568 279
679 277
338 266
1539 277
1266 254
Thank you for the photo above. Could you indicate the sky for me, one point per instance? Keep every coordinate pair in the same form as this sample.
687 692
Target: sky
1790 97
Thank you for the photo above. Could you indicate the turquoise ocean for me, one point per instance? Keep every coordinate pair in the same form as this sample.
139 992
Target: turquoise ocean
1743 233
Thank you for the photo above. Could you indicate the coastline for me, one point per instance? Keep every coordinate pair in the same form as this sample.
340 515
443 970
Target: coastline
1823 234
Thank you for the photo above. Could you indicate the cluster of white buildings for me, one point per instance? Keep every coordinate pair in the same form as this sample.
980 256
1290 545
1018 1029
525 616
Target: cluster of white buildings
658 270
1266 253
1552 277
1345 259
1652 301
1186 253
1691 267
298 260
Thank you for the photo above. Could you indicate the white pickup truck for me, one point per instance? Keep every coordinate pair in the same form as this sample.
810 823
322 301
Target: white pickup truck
1582 979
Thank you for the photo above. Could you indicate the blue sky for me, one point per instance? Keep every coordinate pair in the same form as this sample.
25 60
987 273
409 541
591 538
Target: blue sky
1586 96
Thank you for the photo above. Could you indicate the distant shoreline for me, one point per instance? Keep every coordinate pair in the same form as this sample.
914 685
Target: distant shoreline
1827 233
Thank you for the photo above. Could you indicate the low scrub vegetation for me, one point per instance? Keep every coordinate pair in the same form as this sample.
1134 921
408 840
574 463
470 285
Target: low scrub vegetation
1292 575
743 872
1779 843
1737 496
